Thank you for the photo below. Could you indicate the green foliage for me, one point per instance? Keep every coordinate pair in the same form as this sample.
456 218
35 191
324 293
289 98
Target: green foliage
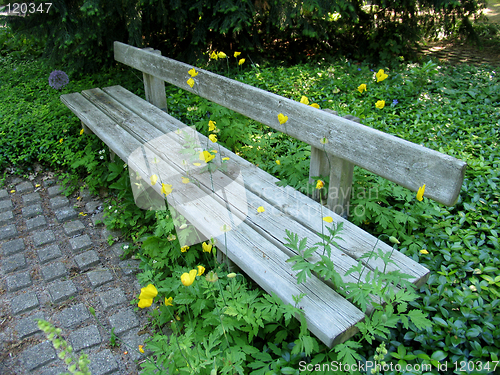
79 34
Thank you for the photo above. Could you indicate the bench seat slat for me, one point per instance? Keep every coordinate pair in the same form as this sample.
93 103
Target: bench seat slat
405 163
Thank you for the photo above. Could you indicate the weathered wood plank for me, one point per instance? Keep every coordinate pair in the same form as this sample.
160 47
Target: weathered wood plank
154 88
395 159
285 202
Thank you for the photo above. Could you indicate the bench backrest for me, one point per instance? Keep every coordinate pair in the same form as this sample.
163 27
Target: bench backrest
348 143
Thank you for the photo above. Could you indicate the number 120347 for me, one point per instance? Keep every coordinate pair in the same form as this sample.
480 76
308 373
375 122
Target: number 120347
23 8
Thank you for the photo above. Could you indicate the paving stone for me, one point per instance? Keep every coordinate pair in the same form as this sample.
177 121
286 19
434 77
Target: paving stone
103 363
6 205
92 206
123 321
49 253
54 190
73 227
24 187
84 195
43 238
99 277
36 223
6 217
32 198
106 233
13 263
4 194
119 248
129 266
54 370
53 271
73 316
39 355
98 219
24 302
18 281
80 243
61 290
112 298
58 202
133 340
8 232
32 211
85 337
13 247
65 214
29 326
86 260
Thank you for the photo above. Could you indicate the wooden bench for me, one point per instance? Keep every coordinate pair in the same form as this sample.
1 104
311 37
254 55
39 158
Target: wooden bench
130 125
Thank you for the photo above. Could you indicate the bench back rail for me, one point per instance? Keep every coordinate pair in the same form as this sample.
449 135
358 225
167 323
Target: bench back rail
405 163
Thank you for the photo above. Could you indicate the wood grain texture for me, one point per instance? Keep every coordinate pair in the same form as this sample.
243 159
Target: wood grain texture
405 163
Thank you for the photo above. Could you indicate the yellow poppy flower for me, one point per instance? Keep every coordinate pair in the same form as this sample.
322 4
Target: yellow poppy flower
381 75
166 189
206 248
314 105
261 209
206 156
148 292
214 55
362 88
278 162
213 138
193 72
145 302
188 278
61 140
211 126
12 191
236 54
141 348
226 158
185 180
282 118
304 100
190 82
423 251
168 301
81 132
201 270
328 219
154 178
420 193
241 61
221 55
380 104
319 184
184 249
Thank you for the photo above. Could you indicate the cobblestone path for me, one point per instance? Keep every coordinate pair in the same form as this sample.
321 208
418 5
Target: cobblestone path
55 264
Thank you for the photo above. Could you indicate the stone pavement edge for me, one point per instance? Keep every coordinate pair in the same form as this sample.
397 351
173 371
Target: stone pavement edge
55 264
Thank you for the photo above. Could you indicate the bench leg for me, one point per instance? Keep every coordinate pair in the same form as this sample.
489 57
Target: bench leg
222 258
86 129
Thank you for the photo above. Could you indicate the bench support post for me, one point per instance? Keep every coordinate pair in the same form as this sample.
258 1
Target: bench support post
86 129
223 258
155 87
340 172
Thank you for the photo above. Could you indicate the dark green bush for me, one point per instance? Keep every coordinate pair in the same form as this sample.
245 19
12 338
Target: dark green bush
80 33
